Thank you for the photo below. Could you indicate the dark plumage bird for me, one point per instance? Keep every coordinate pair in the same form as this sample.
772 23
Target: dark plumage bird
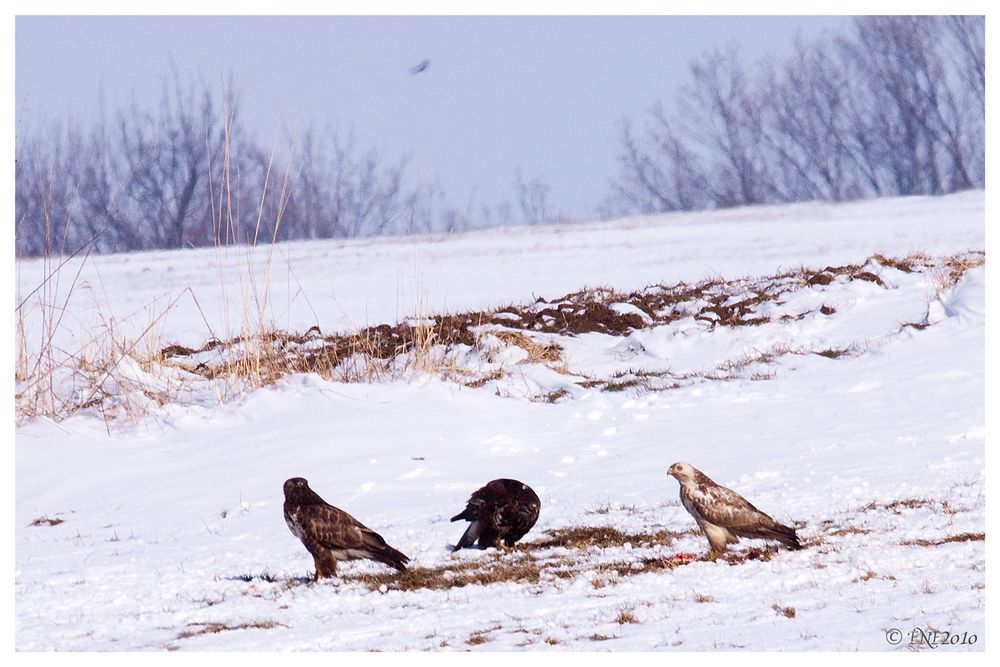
331 534
724 515
420 67
504 509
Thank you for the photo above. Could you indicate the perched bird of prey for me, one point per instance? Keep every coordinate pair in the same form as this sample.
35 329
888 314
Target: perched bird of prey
724 515
331 534
420 67
504 509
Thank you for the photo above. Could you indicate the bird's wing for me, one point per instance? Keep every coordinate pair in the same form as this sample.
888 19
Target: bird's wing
478 505
518 512
724 507
336 529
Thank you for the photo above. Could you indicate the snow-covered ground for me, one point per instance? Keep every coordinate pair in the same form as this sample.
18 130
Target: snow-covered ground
168 533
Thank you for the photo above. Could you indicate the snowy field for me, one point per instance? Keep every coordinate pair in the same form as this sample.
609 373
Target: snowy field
852 407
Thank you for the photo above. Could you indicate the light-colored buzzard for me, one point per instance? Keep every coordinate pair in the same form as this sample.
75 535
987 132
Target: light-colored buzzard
331 534
504 509
724 515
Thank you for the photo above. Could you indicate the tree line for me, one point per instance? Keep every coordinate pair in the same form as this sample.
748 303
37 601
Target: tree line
186 175
894 107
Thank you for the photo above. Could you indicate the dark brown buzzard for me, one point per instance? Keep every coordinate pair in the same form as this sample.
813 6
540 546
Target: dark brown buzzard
331 534
504 509
724 515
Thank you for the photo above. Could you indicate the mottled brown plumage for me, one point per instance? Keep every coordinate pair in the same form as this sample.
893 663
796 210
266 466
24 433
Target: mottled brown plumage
723 515
331 534
504 509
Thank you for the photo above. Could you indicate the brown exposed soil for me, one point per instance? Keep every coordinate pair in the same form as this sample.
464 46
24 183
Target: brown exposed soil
713 302
820 279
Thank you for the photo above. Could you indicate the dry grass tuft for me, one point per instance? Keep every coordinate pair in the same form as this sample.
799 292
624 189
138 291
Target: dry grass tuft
537 352
128 377
534 562
602 537
554 396
489 377
516 567
849 530
46 521
898 506
957 265
626 614
263 576
214 627
764 553
787 612
962 537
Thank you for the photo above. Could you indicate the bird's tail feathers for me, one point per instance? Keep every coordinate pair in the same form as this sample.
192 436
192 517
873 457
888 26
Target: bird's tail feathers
470 535
786 535
392 557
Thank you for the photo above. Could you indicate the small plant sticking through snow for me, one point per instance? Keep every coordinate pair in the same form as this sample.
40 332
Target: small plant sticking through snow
626 614
787 612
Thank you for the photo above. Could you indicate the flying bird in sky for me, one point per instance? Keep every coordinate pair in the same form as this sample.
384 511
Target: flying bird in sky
420 67
724 515
331 534
504 509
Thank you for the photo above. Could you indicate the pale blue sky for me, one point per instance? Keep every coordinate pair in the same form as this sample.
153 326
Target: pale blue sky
543 94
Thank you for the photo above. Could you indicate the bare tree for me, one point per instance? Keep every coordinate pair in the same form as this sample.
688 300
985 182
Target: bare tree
968 39
186 174
966 49
724 114
340 193
920 116
42 197
167 159
658 171
811 122
533 200
712 153
894 108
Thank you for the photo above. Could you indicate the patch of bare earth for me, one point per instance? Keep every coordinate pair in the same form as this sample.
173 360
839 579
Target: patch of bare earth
559 554
435 343
491 349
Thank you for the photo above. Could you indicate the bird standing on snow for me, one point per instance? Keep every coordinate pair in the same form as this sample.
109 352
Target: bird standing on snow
504 509
331 534
724 515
